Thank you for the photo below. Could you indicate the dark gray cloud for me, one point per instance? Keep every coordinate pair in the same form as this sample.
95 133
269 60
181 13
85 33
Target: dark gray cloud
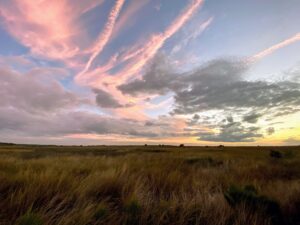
270 130
158 79
238 94
220 85
232 132
283 111
106 100
252 117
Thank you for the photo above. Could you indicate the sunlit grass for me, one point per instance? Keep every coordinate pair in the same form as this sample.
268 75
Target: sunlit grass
147 185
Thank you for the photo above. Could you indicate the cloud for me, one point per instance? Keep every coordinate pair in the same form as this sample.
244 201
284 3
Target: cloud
33 105
292 141
270 130
105 100
156 80
20 61
218 87
35 25
208 93
218 84
149 50
160 76
137 56
252 117
62 124
104 37
232 132
275 47
128 17
36 103
32 92
193 34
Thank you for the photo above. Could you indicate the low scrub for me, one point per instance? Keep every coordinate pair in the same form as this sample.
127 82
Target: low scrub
30 219
249 198
204 162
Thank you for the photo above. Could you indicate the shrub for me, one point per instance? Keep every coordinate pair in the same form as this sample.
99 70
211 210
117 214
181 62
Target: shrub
132 207
249 197
101 212
133 211
181 145
275 154
30 219
205 162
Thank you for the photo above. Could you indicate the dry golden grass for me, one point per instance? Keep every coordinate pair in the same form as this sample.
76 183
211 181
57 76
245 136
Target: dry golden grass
114 185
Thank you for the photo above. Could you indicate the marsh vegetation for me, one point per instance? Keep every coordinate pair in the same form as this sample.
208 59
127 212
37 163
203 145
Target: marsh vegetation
149 185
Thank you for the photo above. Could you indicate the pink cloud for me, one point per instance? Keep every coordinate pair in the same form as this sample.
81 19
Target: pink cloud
49 28
275 47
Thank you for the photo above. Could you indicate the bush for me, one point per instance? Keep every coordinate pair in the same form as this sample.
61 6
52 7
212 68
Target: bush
181 145
101 212
30 219
133 211
205 162
132 207
275 154
249 197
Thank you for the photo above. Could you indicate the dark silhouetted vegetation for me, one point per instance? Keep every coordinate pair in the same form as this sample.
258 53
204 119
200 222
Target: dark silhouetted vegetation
249 198
276 154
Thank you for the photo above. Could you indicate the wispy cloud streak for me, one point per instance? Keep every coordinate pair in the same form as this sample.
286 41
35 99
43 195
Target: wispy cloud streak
104 37
275 47
193 35
127 18
157 41
138 55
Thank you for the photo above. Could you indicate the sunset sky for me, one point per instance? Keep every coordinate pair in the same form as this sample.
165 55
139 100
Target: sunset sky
150 71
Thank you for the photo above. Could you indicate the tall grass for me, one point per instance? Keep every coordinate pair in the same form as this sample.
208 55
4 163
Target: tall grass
147 185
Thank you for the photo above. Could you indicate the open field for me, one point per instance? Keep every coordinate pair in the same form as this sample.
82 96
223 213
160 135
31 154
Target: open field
114 185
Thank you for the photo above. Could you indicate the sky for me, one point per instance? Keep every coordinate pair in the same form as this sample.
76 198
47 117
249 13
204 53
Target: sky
198 72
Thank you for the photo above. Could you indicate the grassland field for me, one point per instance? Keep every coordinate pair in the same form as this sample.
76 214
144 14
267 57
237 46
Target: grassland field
149 185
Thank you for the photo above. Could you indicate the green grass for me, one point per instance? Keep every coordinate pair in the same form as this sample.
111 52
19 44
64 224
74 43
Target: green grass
152 185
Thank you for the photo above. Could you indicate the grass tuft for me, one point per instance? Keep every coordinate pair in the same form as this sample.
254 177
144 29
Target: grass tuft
30 219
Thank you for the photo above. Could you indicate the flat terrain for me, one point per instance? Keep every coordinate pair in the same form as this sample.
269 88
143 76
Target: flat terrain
113 185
